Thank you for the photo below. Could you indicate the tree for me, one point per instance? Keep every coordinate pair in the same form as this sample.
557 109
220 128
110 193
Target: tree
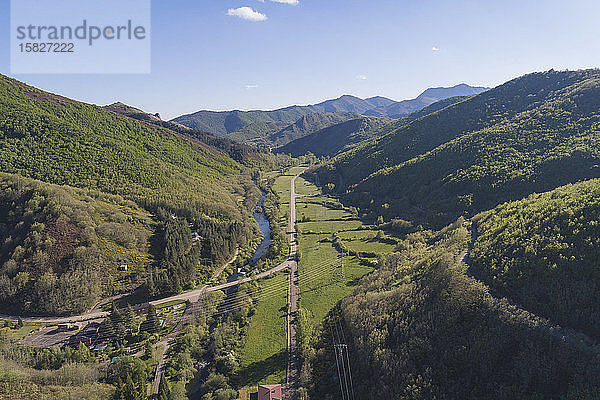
129 319
107 329
151 323
164 392
117 319
148 350
150 286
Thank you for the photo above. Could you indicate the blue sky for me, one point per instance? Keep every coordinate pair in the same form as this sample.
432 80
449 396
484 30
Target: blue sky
203 58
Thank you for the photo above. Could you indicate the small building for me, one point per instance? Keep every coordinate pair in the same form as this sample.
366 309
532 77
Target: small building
269 392
196 237
123 267
67 326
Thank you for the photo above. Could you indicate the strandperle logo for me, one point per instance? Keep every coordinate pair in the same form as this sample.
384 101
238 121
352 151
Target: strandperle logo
85 31
80 36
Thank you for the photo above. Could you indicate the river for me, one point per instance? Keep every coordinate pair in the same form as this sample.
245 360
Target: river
265 228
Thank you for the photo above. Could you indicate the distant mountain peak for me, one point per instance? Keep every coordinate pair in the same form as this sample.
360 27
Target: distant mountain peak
235 122
441 93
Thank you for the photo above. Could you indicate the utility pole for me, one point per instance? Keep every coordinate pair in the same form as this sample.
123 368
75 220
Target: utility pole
343 266
340 357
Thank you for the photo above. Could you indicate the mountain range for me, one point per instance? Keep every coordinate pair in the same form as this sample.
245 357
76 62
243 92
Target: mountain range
259 126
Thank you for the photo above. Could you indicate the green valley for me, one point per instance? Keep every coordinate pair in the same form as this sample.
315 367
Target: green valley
449 252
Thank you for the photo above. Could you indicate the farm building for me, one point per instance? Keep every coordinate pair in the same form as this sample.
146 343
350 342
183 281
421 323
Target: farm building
269 392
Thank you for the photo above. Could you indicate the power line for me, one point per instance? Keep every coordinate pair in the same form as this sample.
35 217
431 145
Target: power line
275 288
337 362
347 357
340 348
274 291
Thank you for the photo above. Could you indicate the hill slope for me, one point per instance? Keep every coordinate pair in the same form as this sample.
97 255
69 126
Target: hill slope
279 133
419 328
61 141
334 139
542 252
61 246
341 137
531 134
239 152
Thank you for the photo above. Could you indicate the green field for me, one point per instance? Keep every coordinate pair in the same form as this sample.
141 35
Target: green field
322 281
366 241
264 351
18 333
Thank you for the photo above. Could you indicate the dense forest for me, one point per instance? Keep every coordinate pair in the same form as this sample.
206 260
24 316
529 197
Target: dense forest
166 173
61 247
420 328
335 139
239 152
478 112
542 252
444 165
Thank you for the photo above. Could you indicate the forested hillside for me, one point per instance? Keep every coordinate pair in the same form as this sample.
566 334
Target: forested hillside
480 152
239 152
336 138
61 246
426 325
419 328
542 252
170 175
484 110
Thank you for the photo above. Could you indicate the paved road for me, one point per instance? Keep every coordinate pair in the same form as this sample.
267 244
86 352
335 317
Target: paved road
293 291
193 296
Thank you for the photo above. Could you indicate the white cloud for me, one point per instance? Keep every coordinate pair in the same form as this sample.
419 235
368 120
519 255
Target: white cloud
435 49
361 77
290 2
251 86
247 13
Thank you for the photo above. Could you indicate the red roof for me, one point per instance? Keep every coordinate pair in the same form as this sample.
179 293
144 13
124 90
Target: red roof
269 392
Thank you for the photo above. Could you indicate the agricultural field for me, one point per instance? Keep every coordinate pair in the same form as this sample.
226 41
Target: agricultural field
368 241
264 352
322 281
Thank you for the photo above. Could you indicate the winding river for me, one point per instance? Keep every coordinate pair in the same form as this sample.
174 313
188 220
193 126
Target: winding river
265 228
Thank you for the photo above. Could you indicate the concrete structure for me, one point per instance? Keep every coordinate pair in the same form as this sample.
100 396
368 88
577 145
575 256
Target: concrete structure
269 392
